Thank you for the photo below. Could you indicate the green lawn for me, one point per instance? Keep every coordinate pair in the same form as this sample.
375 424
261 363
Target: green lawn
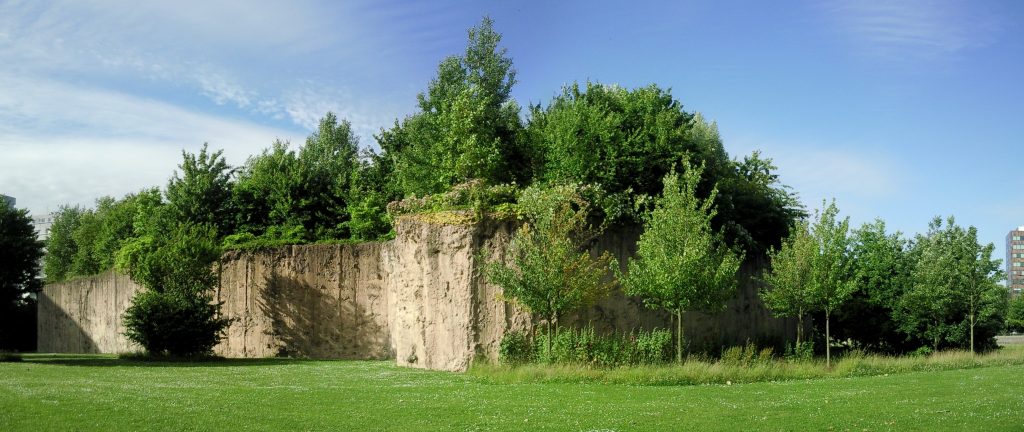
102 393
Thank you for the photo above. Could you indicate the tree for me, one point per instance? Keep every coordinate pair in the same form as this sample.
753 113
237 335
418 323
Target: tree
550 271
681 264
202 194
264 192
1015 315
830 284
978 277
306 196
924 307
175 313
787 284
60 246
20 253
627 140
327 164
880 268
467 126
810 271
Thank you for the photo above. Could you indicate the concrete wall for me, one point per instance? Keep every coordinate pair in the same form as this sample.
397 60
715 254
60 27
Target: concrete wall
317 301
84 315
421 298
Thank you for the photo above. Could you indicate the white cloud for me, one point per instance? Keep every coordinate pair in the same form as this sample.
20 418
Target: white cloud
862 181
169 45
65 144
920 29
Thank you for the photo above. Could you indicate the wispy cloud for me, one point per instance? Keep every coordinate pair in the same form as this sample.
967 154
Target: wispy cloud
914 28
858 178
183 44
66 144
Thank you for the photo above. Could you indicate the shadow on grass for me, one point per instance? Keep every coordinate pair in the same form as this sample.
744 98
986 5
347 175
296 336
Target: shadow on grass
112 361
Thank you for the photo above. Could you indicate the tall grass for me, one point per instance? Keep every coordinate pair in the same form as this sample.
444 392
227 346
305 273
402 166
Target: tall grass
702 371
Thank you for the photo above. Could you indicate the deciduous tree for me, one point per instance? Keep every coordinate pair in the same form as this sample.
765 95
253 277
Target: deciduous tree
830 282
20 252
681 263
787 284
550 271
202 192
467 126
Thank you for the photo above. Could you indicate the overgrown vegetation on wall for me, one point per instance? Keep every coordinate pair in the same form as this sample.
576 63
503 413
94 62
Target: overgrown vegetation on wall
609 154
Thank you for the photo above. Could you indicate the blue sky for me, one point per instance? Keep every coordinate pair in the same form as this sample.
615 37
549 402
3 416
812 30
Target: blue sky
900 110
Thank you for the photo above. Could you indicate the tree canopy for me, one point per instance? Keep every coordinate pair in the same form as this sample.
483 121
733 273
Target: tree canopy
550 271
20 253
682 264
467 126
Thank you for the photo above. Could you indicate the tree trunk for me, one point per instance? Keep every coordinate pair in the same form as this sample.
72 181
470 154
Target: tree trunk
828 342
799 329
972 332
679 335
549 339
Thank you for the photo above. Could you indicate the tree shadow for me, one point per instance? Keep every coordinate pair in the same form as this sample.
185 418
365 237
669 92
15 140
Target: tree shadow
317 321
61 330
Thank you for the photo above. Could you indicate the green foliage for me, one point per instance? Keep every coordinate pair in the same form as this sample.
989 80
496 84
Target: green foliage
1015 315
468 126
787 285
280 189
175 314
20 253
653 347
626 141
800 352
263 193
747 355
473 195
681 264
175 258
60 246
96 235
810 272
202 193
174 323
880 267
587 347
515 348
830 282
549 271
955 296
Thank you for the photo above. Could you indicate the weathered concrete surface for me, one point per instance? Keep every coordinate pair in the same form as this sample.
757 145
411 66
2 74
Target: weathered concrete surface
84 315
421 298
317 301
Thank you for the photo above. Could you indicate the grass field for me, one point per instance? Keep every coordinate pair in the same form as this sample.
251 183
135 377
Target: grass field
104 393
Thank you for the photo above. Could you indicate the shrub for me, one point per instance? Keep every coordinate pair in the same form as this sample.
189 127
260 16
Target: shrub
174 314
586 347
654 347
169 323
515 349
746 355
473 195
923 351
803 351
